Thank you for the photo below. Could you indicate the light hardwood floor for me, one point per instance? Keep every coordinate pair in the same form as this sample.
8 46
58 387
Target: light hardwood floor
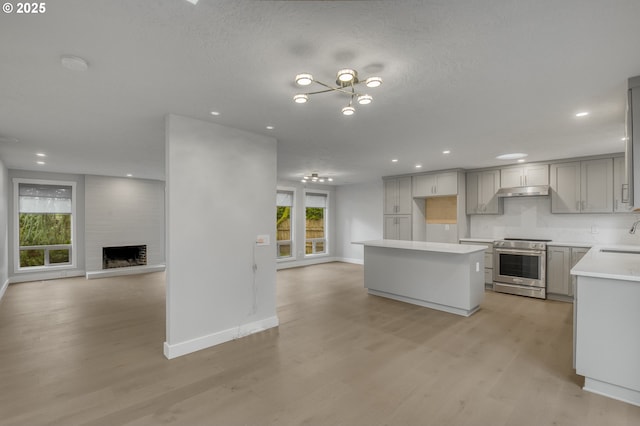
90 352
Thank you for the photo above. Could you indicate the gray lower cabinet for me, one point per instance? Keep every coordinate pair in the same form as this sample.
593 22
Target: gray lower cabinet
560 260
488 260
397 227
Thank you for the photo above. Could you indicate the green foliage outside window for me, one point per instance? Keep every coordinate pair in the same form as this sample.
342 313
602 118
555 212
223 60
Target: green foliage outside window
282 214
315 213
41 229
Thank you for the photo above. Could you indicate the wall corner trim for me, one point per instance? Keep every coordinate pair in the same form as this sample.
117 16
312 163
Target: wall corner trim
4 288
199 343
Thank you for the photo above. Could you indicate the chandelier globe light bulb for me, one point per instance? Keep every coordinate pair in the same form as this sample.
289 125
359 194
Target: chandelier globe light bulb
304 79
301 98
373 82
364 99
347 75
348 110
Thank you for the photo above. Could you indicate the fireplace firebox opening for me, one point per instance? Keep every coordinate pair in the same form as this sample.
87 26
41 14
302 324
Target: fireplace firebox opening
124 256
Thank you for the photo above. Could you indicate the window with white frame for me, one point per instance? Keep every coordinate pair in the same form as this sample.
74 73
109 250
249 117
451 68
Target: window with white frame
44 224
315 223
284 224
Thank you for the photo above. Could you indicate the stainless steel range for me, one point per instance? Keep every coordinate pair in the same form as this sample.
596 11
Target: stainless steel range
520 267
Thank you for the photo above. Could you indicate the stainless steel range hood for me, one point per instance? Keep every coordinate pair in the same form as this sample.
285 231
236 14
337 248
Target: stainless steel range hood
524 191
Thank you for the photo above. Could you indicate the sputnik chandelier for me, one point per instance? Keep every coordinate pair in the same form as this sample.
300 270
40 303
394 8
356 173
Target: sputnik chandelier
346 82
314 178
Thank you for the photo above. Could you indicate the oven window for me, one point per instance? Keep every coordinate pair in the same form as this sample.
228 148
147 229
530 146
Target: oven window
519 265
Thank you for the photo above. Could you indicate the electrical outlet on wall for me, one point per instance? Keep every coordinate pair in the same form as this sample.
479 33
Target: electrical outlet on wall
262 240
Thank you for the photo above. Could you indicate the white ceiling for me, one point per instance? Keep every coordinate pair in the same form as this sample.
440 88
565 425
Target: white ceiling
480 78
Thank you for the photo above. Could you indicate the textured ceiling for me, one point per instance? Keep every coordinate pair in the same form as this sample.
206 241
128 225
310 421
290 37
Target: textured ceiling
479 78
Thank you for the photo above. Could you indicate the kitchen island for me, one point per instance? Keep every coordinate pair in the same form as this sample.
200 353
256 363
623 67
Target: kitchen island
447 277
606 321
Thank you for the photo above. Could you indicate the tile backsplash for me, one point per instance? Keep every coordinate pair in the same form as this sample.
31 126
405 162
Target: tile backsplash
531 218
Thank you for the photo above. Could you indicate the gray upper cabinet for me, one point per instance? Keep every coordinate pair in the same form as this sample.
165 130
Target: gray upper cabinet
434 185
620 187
597 186
481 192
529 175
582 186
397 195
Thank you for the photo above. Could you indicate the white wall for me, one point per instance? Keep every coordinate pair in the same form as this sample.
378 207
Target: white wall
78 234
220 194
359 210
4 228
532 218
122 212
299 258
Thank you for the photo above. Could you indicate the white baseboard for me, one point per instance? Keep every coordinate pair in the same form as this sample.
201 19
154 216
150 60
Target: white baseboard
131 270
42 276
351 260
193 345
306 262
4 288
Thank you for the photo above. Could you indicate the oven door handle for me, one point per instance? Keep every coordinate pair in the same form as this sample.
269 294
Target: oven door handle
523 252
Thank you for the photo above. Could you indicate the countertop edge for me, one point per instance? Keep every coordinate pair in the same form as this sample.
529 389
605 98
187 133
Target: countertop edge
615 266
450 248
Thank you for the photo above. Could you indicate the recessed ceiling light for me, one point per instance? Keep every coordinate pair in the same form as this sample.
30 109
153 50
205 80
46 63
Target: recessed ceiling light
74 63
215 113
394 160
582 114
330 179
513 156
40 162
129 175
269 127
446 152
521 160
40 154
194 2
418 166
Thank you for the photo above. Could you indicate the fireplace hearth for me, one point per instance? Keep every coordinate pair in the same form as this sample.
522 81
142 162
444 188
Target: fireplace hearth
124 256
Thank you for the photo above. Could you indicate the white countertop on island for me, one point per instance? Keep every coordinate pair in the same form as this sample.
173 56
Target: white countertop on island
424 246
617 266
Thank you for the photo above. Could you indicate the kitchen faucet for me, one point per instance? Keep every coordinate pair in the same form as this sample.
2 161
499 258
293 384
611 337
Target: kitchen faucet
634 226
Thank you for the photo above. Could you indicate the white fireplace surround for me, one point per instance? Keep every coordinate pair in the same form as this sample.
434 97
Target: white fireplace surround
123 212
